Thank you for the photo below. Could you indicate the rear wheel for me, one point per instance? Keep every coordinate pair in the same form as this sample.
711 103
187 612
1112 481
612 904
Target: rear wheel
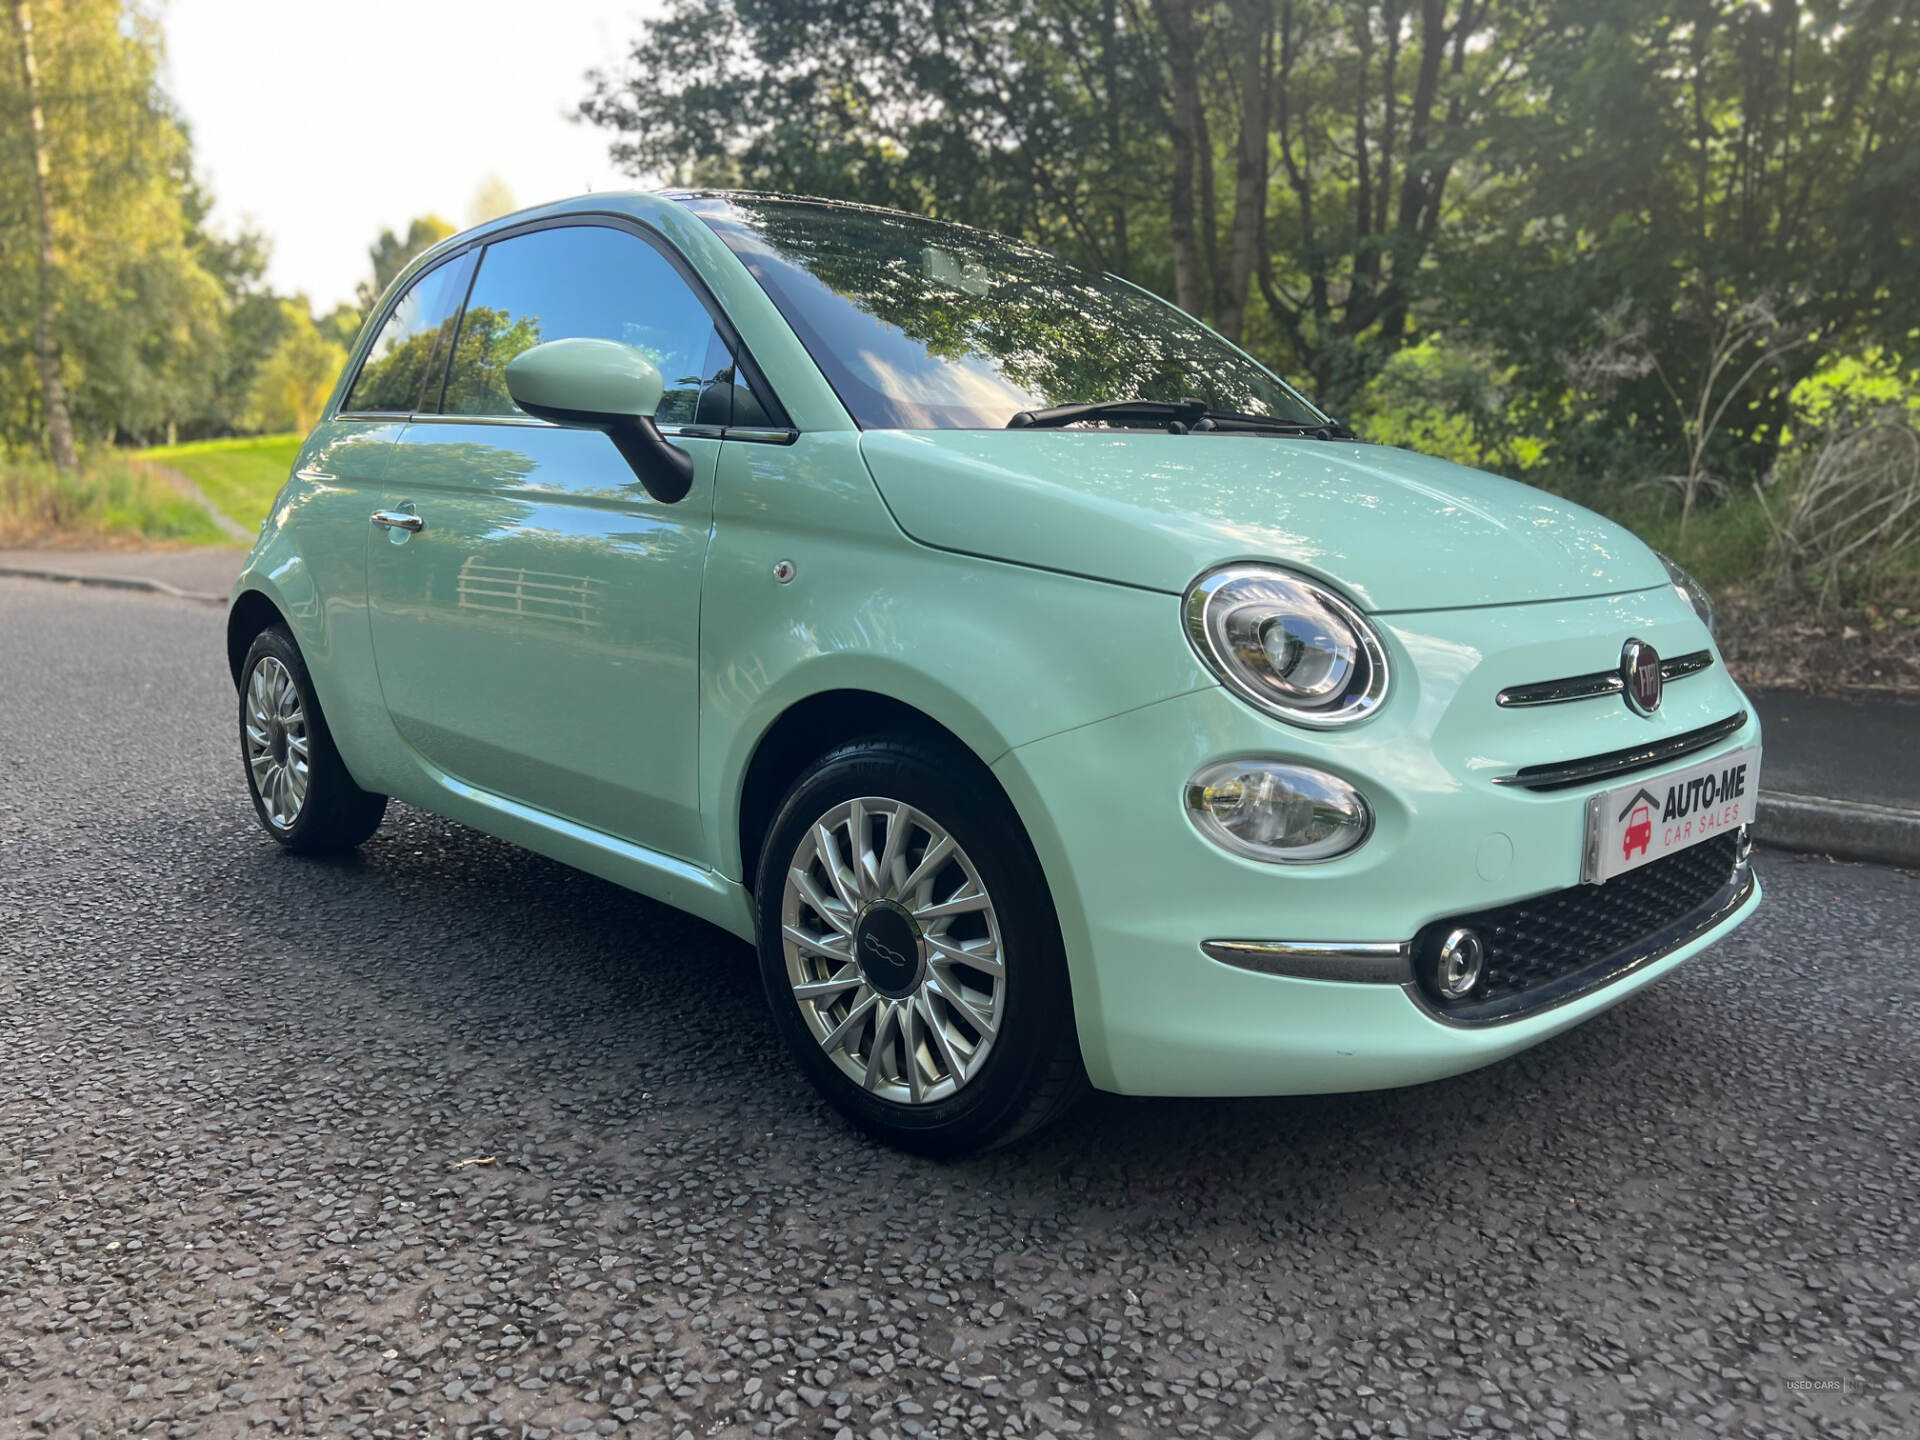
910 950
301 790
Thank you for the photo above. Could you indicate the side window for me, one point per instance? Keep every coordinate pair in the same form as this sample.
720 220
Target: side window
409 353
587 280
728 398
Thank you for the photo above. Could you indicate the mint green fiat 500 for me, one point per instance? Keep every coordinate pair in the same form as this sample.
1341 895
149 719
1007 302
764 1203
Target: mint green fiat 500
1051 694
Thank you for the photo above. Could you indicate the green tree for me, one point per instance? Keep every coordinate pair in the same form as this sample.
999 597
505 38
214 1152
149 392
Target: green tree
107 301
292 384
1331 182
342 324
1669 166
392 253
45 346
1021 117
491 200
252 323
1307 149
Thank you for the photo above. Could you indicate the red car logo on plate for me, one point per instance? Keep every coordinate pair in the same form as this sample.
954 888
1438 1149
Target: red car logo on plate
1639 833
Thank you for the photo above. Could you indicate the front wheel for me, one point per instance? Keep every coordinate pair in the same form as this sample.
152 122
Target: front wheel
910 951
301 790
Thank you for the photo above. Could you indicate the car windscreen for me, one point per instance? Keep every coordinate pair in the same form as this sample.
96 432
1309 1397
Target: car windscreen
924 325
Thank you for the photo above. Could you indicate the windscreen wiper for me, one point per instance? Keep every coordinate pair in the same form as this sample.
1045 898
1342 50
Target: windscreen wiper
1184 414
1178 417
1229 421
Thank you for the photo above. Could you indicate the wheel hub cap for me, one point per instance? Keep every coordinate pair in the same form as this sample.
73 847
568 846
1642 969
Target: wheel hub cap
276 742
886 942
893 950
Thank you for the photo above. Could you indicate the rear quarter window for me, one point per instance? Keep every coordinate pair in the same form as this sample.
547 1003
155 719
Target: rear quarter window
402 369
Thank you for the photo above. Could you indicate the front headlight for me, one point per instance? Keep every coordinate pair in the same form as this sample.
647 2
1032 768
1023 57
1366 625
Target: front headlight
1277 813
1290 646
1691 591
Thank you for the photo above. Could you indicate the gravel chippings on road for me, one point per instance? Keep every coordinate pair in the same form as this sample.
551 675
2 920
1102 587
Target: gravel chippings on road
449 1140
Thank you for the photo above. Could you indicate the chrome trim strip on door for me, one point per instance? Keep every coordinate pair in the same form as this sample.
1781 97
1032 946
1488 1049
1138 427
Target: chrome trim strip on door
753 434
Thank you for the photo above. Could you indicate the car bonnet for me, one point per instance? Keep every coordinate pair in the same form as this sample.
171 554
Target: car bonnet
1397 531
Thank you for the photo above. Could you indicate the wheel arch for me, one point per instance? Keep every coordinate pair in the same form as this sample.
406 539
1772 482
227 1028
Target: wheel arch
252 611
803 732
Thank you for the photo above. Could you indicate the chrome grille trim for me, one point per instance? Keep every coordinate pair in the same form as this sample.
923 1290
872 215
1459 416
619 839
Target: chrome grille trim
1682 666
1600 682
1562 774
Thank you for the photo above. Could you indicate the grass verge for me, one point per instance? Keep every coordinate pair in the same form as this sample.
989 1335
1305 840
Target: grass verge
240 477
111 501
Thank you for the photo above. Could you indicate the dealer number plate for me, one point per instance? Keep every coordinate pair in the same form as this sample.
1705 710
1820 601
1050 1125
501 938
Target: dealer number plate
1650 818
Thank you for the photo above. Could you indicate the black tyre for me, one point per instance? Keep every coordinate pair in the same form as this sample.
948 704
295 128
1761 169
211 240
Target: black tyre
910 950
301 791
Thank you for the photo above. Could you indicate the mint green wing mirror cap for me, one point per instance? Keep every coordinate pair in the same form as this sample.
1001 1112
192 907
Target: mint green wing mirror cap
592 384
585 377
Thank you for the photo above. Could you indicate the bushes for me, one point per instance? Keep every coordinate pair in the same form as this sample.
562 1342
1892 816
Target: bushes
109 499
1843 500
1846 514
1835 521
1449 401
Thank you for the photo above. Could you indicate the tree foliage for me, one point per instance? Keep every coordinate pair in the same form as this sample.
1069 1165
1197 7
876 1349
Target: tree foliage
160 327
292 383
1332 182
138 295
392 253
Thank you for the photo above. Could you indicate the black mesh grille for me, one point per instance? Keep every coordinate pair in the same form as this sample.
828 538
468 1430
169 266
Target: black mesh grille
1552 947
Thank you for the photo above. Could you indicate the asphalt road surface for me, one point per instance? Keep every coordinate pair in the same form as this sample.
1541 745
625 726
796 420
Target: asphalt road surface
448 1139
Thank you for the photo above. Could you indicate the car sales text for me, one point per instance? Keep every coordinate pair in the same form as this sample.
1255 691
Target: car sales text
1704 803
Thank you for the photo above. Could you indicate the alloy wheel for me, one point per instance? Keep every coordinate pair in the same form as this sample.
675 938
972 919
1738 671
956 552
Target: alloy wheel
893 950
277 742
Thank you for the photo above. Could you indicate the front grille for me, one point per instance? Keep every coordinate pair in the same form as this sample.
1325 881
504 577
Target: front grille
1563 774
1599 682
1549 949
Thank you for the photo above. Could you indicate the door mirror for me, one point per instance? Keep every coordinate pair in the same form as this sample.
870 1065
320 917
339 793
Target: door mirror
604 385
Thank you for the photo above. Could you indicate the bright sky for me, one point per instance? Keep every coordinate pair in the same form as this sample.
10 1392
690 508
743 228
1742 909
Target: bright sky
321 123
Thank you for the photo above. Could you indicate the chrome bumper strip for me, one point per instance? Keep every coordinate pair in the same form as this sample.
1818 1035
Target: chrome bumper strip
1372 962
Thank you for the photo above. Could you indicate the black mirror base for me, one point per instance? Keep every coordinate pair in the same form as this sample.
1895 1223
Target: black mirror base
665 470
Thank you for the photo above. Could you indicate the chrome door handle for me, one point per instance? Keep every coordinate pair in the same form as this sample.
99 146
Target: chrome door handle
398 520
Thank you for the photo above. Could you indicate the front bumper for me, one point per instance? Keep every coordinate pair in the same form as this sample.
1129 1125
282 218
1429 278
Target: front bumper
1139 892
1539 953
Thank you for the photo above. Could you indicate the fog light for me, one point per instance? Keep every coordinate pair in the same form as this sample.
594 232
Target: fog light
1275 813
1463 959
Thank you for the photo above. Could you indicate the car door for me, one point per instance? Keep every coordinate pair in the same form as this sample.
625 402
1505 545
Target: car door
344 461
537 637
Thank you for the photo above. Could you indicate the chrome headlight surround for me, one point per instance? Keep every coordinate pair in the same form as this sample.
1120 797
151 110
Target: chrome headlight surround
1236 617
1691 591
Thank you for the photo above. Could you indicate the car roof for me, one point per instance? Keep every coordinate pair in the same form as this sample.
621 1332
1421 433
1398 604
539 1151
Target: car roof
682 196
845 207
654 204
